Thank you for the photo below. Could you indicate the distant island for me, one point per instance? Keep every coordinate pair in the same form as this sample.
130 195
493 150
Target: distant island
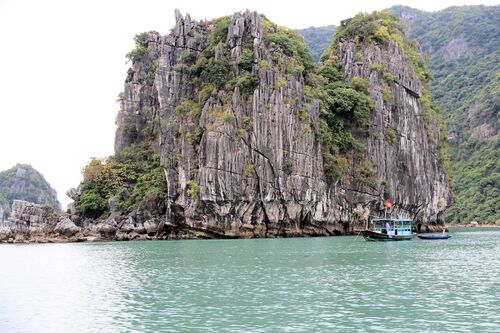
23 182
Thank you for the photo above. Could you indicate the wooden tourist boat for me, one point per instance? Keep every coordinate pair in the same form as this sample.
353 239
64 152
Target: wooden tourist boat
388 229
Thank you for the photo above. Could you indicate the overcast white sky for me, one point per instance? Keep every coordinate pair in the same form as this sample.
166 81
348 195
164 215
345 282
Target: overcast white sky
63 64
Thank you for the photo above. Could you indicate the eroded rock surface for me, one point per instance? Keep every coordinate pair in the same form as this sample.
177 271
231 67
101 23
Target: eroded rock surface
257 170
66 227
402 147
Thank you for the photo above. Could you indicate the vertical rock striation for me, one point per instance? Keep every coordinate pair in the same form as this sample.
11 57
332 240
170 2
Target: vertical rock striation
138 117
227 104
258 164
28 217
402 147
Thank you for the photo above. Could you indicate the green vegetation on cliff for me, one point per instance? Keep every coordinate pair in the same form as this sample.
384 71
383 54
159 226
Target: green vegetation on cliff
291 44
346 105
318 39
131 179
209 79
379 28
141 43
462 43
346 108
477 183
210 73
23 182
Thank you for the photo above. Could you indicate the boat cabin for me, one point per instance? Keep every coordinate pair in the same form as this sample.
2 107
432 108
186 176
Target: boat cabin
392 227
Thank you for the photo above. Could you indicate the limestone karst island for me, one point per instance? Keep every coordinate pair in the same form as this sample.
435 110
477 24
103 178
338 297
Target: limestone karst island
382 127
229 129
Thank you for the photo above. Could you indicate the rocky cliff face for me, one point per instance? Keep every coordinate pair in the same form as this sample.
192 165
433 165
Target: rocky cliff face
138 118
229 106
257 168
22 182
402 149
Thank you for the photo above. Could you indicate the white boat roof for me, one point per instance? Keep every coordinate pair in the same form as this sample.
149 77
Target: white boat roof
391 220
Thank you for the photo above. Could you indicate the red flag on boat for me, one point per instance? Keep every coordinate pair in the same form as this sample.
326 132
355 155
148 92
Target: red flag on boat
388 204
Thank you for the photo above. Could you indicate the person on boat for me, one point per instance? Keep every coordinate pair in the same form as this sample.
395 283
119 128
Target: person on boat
387 226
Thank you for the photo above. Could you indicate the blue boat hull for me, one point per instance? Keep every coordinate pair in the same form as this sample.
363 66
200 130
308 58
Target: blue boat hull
434 236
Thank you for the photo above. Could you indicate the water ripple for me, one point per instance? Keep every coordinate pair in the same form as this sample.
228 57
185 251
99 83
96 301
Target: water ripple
281 285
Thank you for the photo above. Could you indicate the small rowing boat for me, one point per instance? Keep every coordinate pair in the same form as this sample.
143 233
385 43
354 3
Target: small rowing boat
434 236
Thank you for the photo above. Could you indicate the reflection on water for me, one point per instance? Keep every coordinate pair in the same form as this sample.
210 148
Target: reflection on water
264 285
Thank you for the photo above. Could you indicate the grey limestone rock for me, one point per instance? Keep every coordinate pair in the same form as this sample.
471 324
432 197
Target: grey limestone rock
406 167
265 182
66 227
29 219
127 227
106 230
260 173
151 226
74 193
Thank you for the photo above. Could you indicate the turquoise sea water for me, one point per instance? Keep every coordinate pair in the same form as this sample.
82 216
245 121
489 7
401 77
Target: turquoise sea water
336 284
